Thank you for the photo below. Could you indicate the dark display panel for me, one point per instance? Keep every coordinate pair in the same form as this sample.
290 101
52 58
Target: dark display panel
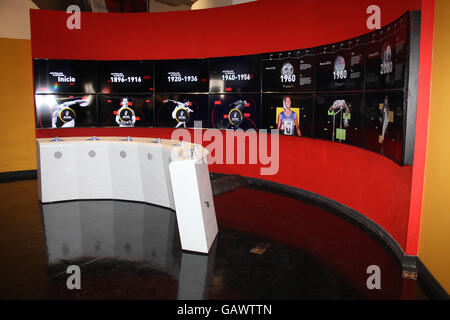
338 117
235 74
340 66
125 77
181 110
64 76
290 114
125 111
288 71
181 76
235 111
387 56
65 111
383 123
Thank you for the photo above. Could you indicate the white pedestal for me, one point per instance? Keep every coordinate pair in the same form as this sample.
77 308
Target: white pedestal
165 174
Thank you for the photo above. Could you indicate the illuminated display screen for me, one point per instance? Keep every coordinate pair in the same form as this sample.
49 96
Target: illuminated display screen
338 118
234 111
181 76
383 123
340 66
125 110
234 74
64 76
289 114
387 55
125 77
65 111
182 110
335 92
288 71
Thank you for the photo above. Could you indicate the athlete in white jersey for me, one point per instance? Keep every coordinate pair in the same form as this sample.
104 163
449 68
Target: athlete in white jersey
384 119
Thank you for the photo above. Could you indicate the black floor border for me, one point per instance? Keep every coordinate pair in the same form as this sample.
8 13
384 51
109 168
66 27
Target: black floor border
409 263
18 175
429 283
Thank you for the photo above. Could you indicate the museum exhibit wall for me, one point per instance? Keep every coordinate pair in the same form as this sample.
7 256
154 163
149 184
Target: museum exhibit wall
384 192
370 183
434 241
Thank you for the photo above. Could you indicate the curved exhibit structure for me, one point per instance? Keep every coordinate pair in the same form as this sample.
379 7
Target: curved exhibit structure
167 173
341 97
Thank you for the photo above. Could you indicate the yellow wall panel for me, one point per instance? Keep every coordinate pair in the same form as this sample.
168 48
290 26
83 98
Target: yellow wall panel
17 138
434 242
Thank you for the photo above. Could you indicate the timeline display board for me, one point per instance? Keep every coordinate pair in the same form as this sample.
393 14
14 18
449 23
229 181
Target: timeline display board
181 76
360 91
235 111
64 76
125 77
387 56
340 66
235 74
65 111
181 110
338 118
290 114
288 71
125 111
384 118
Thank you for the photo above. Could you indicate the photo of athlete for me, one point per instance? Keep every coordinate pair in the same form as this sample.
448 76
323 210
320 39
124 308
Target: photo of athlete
338 107
181 112
287 119
125 116
63 116
384 120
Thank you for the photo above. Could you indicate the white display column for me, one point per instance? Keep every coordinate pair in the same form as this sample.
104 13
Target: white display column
194 204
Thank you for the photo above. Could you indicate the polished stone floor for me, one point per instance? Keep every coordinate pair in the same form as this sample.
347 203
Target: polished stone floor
270 246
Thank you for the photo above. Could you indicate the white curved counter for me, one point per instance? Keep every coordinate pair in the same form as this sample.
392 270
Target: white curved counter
157 171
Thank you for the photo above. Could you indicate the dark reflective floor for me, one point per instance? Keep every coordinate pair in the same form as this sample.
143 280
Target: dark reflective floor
269 246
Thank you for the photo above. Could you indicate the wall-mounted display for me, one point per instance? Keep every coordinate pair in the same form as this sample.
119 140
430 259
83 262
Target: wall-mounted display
65 111
125 111
360 91
125 77
235 74
181 110
387 56
234 111
288 71
181 76
338 118
291 114
383 123
64 76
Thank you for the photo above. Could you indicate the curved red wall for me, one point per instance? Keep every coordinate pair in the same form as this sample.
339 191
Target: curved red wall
362 180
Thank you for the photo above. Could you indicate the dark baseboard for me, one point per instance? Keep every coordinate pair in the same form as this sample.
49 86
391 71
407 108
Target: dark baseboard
431 286
18 175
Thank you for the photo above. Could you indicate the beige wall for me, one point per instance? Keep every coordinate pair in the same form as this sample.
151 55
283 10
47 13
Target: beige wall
15 18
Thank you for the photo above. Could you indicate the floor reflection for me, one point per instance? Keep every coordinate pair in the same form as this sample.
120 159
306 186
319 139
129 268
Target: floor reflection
132 250
115 234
